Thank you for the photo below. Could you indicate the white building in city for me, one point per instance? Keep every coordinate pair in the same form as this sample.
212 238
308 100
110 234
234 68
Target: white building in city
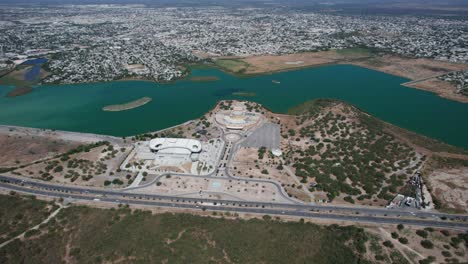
176 147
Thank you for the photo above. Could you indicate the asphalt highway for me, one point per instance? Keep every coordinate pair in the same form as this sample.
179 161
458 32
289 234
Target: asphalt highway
350 214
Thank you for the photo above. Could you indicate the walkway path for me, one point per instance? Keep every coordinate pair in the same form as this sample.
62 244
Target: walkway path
137 180
426 78
21 236
400 247
305 188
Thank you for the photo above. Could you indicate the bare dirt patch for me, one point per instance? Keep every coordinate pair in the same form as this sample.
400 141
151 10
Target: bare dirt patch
450 186
262 64
413 69
23 149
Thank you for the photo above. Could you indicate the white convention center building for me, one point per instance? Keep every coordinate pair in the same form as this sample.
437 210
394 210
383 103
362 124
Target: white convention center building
182 148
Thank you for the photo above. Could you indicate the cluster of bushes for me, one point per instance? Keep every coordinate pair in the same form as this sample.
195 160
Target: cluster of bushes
261 152
86 148
115 182
225 105
354 150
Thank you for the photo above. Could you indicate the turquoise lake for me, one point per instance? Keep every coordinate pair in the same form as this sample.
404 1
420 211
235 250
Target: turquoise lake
79 107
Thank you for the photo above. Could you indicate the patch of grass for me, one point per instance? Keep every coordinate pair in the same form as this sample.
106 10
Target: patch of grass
232 65
15 78
98 235
311 107
18 214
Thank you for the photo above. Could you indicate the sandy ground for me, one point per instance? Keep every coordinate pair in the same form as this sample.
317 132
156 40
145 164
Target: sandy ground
90 164
262 64
84 138
413 69
451 187
211 188
244 165
24 149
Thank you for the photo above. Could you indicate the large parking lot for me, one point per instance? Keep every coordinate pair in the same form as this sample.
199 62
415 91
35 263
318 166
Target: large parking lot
268 135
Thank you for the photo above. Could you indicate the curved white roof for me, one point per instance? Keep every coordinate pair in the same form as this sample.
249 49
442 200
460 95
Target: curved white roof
176 145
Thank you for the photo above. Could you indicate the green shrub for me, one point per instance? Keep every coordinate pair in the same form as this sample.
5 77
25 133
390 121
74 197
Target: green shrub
388 244
403 240
427 244
445 232
348 199
427 260
421 233
58 168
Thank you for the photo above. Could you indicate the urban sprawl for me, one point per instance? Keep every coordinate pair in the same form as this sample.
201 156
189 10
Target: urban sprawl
109 42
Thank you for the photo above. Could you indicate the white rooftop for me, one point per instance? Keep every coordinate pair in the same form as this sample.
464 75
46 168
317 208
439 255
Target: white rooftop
176 144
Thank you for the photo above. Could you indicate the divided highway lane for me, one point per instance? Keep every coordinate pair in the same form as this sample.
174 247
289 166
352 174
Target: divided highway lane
270 211
6 181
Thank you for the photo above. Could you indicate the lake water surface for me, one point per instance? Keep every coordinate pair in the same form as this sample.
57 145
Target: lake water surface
79 107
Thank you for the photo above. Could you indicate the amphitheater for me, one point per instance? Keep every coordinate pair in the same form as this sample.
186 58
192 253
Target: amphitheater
238 118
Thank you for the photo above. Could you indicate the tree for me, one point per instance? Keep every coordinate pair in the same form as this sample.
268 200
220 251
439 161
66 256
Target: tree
400 227
403 240
58 169
388 244
266 217
427 244
445 232
422 233
427 260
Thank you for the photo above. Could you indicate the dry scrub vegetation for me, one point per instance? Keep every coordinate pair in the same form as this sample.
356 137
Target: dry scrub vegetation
347 153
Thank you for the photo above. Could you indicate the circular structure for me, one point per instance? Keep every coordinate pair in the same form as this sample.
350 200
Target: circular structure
232 137
276 152
238 118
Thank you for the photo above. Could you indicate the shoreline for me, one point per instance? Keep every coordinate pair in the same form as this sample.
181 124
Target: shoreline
92 137
332 57
447 91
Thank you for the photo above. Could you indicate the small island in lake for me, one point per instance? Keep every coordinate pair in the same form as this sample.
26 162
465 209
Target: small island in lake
127 106
245 94
204 79
19 90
